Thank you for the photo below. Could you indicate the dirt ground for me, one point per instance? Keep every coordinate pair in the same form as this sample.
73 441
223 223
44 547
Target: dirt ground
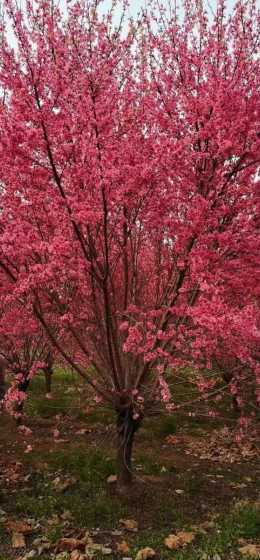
55 484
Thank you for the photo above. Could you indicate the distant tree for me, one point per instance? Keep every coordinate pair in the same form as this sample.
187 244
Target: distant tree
25 350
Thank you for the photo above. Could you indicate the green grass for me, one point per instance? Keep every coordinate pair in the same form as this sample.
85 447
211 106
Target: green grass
89 465
86 499
65 395
243 523
159 426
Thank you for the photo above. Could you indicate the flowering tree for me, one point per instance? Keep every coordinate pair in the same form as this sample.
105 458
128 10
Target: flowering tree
129 193
24 352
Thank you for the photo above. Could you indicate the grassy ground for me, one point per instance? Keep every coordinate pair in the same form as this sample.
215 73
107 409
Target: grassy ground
58 485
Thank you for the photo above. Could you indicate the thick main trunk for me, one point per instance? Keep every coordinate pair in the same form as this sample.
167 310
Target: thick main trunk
126 428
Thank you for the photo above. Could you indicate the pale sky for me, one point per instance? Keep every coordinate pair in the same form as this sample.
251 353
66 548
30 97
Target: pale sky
134 8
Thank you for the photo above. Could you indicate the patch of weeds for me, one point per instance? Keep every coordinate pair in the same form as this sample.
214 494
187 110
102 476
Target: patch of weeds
38 405
222 541
161 426
36 507
96 510
248 522
64 396
88 465
148 465
152 539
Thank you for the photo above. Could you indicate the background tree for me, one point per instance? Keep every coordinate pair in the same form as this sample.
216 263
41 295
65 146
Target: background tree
24 352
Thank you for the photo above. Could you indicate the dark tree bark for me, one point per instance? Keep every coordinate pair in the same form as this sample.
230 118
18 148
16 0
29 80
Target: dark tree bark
3 365
22 386
48 371
227 377
126 429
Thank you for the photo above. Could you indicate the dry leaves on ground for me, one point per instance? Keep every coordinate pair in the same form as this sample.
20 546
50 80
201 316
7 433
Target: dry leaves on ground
18 540
179 540
77 555
145 553
129 524
13 526
122 547
62 485
221 447
252 550
112 479
71 544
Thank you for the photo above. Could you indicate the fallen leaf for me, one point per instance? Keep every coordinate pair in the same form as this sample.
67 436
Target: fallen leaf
18 540
122 547
172 440
112 479
172 542
180 539
13 526
186 537
76 555
129 524
252 550
145 553
62 485
70 544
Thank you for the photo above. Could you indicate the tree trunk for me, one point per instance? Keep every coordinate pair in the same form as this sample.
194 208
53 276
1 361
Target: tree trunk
126 428
2 378
2 387
48 378
23 386
227 377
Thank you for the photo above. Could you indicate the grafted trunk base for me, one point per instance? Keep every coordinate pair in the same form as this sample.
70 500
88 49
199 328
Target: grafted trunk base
126 429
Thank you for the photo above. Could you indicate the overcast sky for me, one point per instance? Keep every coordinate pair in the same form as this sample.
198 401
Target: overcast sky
135 5
134 8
